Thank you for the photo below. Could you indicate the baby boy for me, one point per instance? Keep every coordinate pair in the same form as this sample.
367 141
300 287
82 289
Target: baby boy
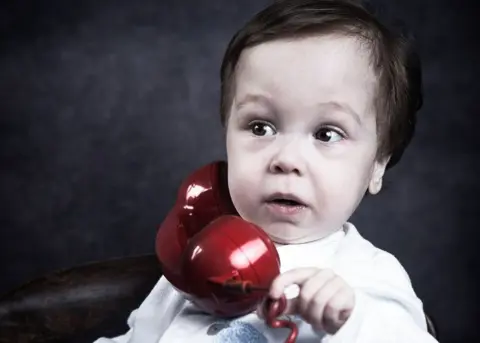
318 100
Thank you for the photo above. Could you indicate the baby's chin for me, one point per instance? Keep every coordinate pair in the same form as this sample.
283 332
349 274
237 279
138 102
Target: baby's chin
286 233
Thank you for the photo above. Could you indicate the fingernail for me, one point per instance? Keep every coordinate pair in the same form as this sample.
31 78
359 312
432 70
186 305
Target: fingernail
344 315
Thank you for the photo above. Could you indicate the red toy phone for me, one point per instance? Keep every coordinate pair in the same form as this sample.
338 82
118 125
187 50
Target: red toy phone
220 262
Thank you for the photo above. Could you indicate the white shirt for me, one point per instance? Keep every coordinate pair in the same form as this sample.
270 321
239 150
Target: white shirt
386 307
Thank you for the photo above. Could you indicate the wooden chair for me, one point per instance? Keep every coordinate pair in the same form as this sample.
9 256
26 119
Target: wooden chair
80 304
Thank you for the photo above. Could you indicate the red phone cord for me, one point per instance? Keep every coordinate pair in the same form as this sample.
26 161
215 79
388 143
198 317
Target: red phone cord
274 308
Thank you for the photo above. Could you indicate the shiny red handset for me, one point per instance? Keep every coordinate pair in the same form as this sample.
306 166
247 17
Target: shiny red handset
220 262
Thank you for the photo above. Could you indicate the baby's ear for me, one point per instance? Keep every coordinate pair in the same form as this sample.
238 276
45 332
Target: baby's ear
376 179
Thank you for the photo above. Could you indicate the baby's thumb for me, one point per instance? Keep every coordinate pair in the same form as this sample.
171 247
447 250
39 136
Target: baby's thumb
261 309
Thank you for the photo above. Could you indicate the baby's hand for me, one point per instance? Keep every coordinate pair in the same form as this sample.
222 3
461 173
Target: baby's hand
325 300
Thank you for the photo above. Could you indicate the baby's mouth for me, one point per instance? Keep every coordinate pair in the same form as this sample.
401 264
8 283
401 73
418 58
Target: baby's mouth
283 206
286 202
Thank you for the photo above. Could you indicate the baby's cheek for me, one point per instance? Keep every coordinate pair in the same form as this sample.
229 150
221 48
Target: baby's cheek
239 191
242 192
342 200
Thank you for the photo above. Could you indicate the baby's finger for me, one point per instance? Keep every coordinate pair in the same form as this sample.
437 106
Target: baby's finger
314 313
291 306
311 286
338 309
295 276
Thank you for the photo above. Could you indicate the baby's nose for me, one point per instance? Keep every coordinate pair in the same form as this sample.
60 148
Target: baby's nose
288 159
283 167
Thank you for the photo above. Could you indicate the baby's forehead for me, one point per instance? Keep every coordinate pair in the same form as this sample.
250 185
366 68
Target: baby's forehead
328 57
345 48
308 70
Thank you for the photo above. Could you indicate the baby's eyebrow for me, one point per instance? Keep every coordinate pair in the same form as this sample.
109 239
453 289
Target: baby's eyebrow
342 107
328 105
252 99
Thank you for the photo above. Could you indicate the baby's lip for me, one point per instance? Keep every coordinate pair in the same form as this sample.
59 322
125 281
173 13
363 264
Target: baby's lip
285 196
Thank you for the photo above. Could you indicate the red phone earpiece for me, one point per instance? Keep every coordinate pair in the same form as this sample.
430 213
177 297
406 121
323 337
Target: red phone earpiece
229 250
220 262
230 265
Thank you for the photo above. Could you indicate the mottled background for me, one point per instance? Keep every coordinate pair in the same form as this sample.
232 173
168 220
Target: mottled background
105 106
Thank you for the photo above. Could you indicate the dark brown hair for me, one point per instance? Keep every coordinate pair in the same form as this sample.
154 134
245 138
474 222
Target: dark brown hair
397 66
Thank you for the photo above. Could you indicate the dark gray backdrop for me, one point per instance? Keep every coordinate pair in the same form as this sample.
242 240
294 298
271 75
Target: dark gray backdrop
105 106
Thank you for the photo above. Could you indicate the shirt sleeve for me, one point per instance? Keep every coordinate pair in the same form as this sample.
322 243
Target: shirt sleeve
124 338
150 320
386 307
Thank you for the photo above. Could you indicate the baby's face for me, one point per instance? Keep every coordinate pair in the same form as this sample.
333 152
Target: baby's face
302 128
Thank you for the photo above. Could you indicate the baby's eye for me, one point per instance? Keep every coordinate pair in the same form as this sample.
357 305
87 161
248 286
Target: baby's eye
328 135
262 129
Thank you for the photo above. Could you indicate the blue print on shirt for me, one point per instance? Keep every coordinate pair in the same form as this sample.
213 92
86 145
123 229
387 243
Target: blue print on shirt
238 332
